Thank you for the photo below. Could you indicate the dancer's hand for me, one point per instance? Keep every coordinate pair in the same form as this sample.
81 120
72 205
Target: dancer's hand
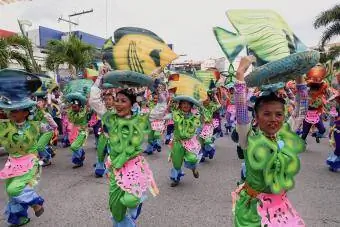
243 66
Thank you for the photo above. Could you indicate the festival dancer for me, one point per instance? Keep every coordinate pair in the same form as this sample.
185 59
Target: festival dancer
230 110
78 114
210 106
186 146
129 173
157 121
317 100
333 160
43 116
271 174
107 96
22 138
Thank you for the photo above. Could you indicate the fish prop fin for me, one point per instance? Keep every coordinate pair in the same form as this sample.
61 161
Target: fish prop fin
231 43
108 44
299 45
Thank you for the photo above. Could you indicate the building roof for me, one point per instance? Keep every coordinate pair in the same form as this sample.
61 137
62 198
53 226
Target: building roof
5 33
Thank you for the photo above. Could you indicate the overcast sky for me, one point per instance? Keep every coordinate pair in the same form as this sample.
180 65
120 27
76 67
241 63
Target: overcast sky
185 23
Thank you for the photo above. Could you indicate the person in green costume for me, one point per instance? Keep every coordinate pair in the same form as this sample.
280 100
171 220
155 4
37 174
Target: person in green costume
44 116
210 106
186 146
22 137
271 156
102 150
154 137
76 93
129 173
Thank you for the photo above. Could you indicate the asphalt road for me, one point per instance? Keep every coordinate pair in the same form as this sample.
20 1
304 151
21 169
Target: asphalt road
77 198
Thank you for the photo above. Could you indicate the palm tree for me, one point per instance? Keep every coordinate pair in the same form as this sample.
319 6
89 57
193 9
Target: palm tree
73 52
331 55
331 20
13 49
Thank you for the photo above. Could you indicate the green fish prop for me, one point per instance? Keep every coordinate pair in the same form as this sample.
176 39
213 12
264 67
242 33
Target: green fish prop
77 90
208 77
280 55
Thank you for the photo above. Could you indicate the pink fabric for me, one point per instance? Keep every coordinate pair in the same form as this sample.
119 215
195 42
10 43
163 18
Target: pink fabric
170 122
145 110
312 116
158 125
93 121
194 111
216 122
69 129
15 167
135 176
207 131
231 109
192 145
73 132
333 112
277 211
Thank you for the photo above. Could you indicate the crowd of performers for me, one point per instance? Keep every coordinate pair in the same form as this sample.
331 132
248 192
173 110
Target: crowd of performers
282 116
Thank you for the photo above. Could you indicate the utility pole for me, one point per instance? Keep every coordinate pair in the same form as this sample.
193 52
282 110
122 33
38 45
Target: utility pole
72 22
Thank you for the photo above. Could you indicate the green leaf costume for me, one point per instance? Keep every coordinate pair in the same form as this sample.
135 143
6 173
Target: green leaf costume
126 137
271 168
19 142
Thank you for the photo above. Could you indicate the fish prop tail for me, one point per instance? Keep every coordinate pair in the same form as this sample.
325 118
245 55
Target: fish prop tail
231 43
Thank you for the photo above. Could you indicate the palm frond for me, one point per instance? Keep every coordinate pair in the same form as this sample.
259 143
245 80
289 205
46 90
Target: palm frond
330 32
327 17
22 60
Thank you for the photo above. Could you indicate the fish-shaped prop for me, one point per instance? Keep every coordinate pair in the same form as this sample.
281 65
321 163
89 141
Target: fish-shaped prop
77 90
280 55
91 74
137 50
47 84
188 88
16 88
208 78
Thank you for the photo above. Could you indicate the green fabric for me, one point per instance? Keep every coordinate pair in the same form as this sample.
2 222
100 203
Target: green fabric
126 136
79 141
153 135
18 142
15 185
78 118
270 169
102 142
246 211
208 111
185 125
178 154
39 115
120 200
44 139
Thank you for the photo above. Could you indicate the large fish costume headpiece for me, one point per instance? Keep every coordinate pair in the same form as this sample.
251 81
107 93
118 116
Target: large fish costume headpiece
77 90
187 87
280 55
136 53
